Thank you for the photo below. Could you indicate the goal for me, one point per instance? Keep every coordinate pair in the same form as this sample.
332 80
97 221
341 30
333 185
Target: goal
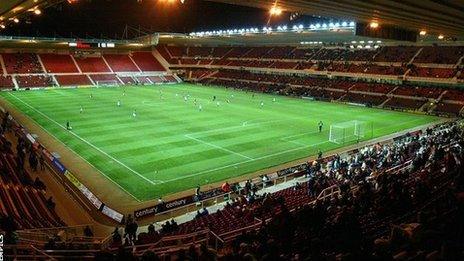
348 131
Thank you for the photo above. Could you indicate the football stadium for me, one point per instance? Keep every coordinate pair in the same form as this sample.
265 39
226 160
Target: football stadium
231 130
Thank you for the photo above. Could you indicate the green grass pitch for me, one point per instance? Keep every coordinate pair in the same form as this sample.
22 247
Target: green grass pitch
171 145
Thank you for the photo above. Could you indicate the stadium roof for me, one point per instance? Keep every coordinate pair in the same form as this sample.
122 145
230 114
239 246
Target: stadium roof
437 16
16 8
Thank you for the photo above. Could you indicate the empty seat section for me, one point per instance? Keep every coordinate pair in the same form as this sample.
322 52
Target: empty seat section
73 80
127 80
404 103
432 72
58 63
34 81
92 64
170 78
6 82
105 79
21 63
147 62
440 54
145 79
452 108
120 63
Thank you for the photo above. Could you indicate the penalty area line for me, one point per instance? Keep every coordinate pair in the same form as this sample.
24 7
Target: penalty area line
218 147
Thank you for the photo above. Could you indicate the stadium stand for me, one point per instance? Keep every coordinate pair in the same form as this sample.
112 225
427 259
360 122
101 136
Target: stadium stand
92 64
147 63
120 63
127 80
73 80
105 78
6 82
58 63
34 81
21 63
402 54
23 200
440 54
404 103
432 72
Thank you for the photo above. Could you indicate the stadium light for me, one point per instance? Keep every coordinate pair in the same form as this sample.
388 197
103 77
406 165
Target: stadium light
37 12
374 25
2 26
422 32
16 20
275 11
441 37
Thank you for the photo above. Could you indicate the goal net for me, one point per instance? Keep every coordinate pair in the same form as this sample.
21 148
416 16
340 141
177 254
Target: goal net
348 131
107 83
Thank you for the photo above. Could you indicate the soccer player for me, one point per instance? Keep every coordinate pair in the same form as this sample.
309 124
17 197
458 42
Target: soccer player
200 108
217 104
273 99
68 125
134 113
185 98
320 125
195 102
262 104
81 110
119 103
214 97
124 92
91 96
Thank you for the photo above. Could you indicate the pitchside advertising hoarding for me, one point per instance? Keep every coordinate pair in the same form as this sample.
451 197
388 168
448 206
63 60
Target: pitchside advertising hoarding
1 247
163 207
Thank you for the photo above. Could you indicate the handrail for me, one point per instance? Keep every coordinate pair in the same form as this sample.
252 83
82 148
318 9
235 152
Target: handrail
254 225
42 252
56 228
216 236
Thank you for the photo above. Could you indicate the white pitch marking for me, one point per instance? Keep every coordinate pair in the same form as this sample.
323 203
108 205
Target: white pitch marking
153 182
246 161
218 147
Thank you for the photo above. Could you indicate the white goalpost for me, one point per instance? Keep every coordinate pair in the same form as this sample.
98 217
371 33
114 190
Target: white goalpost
347 131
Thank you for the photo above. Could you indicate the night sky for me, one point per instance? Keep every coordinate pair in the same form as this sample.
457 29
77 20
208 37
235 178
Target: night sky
108 18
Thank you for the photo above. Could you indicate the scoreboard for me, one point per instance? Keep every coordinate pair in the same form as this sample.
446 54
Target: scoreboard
90 45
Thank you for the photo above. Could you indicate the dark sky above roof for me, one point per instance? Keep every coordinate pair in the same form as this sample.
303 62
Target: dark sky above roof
108 18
